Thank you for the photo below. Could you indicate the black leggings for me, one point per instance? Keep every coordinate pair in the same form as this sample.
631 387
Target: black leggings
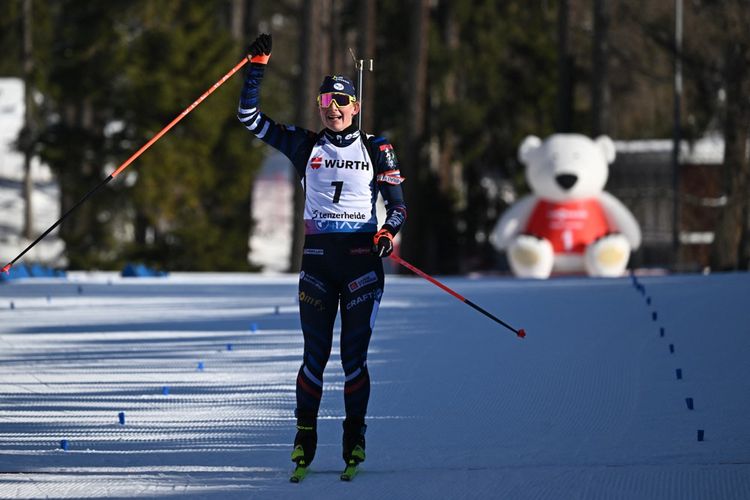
337 269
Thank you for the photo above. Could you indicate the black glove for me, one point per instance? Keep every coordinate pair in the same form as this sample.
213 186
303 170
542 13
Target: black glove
260 50
382 243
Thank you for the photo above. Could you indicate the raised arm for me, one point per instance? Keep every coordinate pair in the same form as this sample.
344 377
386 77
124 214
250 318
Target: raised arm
288 139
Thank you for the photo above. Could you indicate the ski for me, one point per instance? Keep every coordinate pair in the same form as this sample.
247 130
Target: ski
350 471
299 474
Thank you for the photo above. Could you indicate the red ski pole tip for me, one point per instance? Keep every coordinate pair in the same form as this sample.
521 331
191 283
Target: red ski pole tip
521 333
6 269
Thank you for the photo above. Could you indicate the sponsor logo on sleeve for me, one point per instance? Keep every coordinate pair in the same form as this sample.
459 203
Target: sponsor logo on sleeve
391 177
390 156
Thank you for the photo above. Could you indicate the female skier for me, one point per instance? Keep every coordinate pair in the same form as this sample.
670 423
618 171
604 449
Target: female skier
342 171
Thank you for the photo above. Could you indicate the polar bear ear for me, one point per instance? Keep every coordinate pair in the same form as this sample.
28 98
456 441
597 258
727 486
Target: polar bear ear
607 146
528 146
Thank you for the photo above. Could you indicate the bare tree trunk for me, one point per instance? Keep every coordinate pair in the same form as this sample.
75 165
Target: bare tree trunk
449 171
417 246
338 54
450 196
600 73
366 50
726 252
565 70
238 9
417 76
79 232
30 129
314 42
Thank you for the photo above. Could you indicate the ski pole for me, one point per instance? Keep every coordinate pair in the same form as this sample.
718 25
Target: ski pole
129 160
520 332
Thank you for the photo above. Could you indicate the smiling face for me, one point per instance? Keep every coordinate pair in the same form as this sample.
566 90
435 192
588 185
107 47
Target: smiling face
338 118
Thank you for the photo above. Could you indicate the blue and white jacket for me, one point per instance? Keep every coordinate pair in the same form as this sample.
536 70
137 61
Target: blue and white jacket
341 172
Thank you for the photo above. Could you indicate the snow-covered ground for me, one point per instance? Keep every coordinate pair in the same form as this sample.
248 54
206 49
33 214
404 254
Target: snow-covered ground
588 406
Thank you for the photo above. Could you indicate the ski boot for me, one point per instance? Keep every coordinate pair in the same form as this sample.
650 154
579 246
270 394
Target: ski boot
353 446
305 444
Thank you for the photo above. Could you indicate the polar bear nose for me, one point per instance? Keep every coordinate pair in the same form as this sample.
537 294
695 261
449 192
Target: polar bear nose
566 181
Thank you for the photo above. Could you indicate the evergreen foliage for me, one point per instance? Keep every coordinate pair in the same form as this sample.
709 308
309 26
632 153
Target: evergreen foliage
192 194
112 74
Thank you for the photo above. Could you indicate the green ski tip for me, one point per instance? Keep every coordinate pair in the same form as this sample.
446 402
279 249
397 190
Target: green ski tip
299 474
349 472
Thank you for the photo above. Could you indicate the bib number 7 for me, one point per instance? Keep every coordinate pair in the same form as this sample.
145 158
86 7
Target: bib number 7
339 185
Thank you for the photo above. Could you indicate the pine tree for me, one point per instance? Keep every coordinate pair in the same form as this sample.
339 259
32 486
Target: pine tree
184 204
81 88
192 193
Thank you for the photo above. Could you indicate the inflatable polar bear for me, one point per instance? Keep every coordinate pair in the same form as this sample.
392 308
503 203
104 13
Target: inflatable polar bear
568 223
